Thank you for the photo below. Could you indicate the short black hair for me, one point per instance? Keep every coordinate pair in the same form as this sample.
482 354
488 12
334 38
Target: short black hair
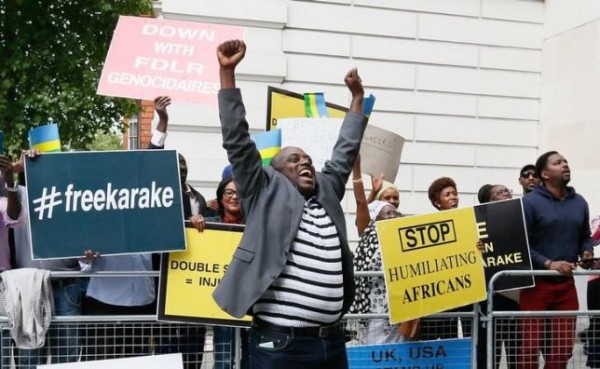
485 193
542 162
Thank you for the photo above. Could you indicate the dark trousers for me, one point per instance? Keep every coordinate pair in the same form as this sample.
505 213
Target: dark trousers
274 350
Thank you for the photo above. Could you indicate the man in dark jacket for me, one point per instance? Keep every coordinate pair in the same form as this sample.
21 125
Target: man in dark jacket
559 234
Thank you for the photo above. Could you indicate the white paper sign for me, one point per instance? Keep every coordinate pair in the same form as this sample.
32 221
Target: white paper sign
170 361
380 152
380 149
316 136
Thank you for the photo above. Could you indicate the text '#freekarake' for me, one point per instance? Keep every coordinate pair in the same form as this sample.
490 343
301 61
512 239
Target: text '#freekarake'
103 199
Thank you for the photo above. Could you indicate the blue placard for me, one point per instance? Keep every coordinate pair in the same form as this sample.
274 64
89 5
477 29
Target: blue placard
440 354
116 202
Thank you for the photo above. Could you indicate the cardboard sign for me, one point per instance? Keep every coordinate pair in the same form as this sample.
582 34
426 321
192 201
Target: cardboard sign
189 278
501 227
118 202
171 361
431 263
380 152
149 57
441 354
380 149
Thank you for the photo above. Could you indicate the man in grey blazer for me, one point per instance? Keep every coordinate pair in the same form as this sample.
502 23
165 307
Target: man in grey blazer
293 268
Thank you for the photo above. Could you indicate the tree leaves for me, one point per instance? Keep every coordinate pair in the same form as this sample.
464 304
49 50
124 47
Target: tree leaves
51 57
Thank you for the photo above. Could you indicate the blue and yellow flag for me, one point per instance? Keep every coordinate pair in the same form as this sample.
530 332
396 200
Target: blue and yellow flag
268 144
314 105
45 138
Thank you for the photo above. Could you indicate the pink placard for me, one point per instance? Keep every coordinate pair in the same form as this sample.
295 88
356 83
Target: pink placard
150 57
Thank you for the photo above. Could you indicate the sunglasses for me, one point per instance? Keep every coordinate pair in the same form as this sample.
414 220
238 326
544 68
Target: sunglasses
528 173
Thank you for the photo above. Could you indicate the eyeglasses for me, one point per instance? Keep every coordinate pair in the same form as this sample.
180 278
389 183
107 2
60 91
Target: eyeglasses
502 191
229 193
528 173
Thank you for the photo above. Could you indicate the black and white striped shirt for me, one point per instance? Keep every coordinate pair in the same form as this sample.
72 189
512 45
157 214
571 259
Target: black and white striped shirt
309 291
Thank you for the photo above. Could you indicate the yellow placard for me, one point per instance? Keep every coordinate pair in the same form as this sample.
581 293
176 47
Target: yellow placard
287 104
188 278
431 263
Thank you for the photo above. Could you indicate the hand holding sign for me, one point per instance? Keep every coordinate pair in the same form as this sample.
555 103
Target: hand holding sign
198 222
89 256
19 165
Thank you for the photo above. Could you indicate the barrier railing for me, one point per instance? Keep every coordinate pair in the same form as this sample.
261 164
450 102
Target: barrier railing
534 326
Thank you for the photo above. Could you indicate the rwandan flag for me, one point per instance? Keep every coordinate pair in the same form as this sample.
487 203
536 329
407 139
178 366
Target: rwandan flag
314 105
45 138
268 144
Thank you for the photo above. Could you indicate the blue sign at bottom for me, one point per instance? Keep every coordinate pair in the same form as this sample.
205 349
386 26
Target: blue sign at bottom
440 354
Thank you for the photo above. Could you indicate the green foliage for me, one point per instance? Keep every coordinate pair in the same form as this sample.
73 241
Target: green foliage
51 58
106 141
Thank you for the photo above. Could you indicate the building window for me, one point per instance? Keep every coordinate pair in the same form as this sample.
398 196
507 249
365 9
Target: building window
134 129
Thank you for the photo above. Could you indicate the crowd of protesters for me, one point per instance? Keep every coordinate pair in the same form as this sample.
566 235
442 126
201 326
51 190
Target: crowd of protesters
305 285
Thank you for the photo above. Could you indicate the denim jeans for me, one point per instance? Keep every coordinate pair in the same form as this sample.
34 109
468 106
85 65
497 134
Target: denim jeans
273 350
62 341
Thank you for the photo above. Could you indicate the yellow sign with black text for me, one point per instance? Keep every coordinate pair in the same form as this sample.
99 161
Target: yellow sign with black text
431 263
188 278
287 104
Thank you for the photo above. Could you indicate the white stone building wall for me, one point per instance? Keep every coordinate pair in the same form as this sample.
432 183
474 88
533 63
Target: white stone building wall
459 79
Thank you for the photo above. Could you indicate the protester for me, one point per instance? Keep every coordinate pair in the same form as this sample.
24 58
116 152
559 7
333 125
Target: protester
495 192
189 340
528 178
381 190
558 230
10 215
194 204
118 296
384 191
505 333
443 195
370 296
230 212
62 343
293 260
10 210
592 337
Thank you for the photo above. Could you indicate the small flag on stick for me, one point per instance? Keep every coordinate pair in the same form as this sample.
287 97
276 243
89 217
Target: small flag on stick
45 138
268 144
314 105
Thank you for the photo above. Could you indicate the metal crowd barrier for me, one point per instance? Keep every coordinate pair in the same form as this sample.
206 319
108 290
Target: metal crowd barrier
103 336
507 347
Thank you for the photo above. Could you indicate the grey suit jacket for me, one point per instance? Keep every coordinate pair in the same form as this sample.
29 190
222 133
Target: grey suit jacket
273 208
